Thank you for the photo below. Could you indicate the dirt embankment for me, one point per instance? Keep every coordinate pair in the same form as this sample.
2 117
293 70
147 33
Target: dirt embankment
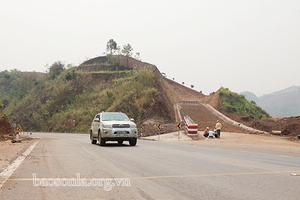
5 128
287 126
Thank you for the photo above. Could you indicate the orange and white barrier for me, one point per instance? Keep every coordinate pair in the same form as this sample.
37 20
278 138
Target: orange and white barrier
190 126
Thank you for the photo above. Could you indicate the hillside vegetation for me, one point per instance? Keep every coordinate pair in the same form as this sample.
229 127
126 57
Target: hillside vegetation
234 103
66 100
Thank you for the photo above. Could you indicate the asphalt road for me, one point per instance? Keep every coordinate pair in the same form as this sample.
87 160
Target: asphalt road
67 166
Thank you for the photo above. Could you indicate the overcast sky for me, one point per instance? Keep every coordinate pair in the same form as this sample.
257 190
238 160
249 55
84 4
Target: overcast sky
244 45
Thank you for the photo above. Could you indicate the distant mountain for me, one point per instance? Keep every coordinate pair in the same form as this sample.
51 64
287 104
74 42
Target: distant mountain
284 103
250 96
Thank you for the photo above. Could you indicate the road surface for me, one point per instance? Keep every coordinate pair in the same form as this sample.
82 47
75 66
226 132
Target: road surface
67 166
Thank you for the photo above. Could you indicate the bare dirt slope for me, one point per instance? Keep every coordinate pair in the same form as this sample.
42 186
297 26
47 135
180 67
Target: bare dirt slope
5 128
182 92
191 103
205 118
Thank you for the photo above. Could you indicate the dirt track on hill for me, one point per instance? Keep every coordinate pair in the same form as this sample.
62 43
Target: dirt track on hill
205 118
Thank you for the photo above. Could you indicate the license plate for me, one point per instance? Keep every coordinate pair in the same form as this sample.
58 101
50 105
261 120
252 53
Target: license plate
120 132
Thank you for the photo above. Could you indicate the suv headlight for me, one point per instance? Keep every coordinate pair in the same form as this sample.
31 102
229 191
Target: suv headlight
133 126
107 126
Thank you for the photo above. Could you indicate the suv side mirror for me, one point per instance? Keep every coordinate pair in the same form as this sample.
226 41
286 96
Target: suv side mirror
131 119
96 120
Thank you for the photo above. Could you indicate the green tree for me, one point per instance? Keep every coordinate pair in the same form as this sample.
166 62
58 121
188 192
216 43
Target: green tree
111 46
55 69
127 51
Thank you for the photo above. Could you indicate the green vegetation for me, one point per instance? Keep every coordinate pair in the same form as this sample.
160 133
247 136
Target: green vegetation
238 104
111 46
65 100
53 101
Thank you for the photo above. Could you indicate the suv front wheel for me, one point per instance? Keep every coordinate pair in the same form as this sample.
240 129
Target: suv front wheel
93 141
101 140
132 141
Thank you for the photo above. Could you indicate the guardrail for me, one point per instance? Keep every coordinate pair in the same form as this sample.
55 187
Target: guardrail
190 126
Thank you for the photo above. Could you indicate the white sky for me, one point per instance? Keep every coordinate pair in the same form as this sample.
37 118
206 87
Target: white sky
251 45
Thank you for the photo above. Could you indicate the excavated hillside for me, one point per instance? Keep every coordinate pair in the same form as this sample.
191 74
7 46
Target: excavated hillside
193 103
206 110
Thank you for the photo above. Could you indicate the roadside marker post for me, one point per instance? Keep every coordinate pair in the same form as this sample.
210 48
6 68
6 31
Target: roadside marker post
159 127
19 130
17 136
179 126
142 128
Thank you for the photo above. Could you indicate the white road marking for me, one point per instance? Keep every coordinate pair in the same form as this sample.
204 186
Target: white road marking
6 173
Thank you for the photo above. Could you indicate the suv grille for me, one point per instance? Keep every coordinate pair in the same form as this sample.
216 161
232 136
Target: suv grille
121 126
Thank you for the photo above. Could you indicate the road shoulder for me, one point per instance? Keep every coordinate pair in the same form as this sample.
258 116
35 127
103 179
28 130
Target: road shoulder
10 151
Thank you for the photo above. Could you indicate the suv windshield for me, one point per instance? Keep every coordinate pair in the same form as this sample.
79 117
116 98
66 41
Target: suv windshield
114 117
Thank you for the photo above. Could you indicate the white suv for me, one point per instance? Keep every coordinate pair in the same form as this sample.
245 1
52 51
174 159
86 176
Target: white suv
113 126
